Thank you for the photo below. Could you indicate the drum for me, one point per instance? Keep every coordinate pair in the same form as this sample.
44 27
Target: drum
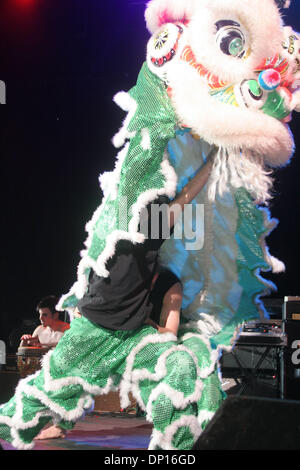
111 403
29 359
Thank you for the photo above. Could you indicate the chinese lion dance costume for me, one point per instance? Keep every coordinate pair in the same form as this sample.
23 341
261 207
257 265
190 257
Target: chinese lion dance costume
220 77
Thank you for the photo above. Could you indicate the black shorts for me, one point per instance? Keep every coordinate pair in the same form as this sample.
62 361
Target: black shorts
165 280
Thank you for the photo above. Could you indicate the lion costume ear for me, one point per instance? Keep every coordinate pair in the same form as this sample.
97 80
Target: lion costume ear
159 12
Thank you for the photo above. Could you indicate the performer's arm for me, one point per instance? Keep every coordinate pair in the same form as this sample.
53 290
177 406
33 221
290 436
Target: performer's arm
170 313
189 192
30 340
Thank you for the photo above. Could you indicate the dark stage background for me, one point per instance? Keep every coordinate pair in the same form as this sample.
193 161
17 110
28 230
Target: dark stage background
62 62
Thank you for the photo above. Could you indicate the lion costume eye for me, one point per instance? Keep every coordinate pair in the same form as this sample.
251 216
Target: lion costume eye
250 94
230 38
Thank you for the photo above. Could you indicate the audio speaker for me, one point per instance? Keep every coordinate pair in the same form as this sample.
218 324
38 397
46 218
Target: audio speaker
249 423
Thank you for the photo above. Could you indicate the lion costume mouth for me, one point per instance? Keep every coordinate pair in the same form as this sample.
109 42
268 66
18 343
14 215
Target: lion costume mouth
259 93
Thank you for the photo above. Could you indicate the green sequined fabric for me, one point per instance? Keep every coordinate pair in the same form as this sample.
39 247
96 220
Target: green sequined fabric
141 169
250 233
169 380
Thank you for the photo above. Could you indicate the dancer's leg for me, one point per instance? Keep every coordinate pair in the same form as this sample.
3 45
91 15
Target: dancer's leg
178 386
52 432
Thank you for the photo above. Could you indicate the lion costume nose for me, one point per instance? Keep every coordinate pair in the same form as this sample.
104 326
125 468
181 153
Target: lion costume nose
269 79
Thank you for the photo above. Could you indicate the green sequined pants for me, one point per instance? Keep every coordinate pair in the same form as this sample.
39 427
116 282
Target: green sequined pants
175 382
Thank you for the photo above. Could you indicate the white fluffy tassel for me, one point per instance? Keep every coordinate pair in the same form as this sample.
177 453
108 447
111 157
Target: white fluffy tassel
239 170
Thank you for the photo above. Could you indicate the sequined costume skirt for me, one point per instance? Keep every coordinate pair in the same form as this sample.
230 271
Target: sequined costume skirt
174 381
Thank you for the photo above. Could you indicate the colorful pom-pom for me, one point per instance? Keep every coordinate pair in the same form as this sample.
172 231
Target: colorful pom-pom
269 79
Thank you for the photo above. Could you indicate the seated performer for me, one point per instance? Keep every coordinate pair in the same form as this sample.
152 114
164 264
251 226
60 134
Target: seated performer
47 334
51 329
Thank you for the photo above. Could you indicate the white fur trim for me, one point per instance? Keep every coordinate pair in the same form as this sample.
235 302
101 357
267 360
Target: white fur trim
126 383
145 142
128 104
109 180
56 384
178 399
132 377
147 197
164 440
277 265
214 354
16 423
205 415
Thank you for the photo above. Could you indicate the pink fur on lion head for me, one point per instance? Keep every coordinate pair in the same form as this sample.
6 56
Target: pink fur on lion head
159 12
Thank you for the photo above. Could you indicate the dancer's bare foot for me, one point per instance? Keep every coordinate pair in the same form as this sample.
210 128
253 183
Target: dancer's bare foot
53 432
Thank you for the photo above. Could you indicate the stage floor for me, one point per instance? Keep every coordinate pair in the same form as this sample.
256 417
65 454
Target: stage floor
101 431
